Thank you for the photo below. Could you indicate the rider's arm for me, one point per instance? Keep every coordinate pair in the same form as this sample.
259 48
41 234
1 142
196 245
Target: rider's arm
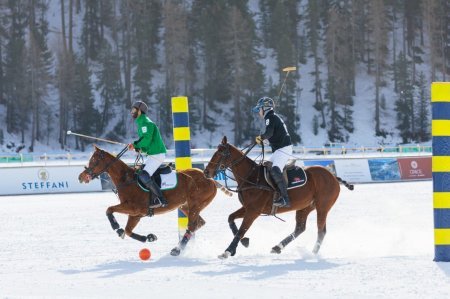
146 135
270 127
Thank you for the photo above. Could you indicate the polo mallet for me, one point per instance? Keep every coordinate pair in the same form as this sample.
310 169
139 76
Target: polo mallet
287 70
95 138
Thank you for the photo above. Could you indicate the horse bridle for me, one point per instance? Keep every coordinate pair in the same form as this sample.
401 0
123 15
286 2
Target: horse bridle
225 155
221 165
90 170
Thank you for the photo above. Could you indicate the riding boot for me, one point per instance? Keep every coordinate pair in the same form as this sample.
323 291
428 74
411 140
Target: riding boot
157 198
283 200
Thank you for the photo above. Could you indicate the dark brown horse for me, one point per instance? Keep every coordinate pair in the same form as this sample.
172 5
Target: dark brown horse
256 196
193 193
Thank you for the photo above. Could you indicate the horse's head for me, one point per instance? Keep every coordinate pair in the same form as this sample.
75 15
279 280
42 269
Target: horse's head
223 158
95 167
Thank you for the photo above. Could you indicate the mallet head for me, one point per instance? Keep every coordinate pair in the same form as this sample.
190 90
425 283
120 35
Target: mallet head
289 69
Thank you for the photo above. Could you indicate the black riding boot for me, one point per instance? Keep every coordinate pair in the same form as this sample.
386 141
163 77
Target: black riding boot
157 199
277 176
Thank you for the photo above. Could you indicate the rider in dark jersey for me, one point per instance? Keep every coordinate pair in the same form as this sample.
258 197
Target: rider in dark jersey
280 141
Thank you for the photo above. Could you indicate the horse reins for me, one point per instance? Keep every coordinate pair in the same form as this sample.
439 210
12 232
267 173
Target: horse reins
222 168
90 170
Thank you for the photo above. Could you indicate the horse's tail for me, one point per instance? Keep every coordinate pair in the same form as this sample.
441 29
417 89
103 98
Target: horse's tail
223 189
349 186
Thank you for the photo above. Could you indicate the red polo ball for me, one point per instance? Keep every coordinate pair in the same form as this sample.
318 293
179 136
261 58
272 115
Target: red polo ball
144 254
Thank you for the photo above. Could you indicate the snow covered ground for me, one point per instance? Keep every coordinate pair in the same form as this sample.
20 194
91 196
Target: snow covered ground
379 245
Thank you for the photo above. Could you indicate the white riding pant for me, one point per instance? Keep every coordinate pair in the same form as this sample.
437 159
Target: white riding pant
152 162
281 156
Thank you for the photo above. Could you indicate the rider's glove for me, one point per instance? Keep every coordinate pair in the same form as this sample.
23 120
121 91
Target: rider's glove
258 140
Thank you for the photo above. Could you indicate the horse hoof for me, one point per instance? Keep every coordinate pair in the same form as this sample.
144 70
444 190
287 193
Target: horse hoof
121 233
276 249
175 252
152 238
224 255
245 242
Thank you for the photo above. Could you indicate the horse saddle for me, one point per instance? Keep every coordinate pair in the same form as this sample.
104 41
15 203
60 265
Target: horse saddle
293 175
165 177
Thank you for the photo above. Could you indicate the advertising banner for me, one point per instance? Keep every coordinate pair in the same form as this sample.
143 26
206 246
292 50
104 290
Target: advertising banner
353 170
385 169
50 179
415 168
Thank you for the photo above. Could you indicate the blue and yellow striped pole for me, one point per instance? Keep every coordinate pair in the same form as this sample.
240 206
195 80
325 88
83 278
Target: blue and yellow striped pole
440 128
182 137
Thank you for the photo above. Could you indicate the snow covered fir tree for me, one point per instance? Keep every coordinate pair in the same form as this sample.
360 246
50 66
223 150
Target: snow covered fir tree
363 68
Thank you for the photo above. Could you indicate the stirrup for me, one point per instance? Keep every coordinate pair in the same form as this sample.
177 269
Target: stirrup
156 202
281 202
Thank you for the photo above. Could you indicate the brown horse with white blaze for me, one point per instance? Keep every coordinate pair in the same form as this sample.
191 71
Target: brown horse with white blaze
256 196
192 193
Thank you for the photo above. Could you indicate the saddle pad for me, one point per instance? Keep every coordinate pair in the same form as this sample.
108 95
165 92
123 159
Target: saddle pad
168 181
296 177
164 181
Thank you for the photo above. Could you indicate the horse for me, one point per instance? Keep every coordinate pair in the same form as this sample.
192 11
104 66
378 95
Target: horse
256 196
193 192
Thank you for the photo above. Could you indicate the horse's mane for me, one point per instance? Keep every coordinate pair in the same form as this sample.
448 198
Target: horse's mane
247 158
119 161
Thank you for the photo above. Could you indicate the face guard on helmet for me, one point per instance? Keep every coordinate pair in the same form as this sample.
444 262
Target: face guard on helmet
265 103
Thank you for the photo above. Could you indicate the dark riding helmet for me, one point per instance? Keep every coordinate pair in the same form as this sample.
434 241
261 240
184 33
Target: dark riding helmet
141 106
266 103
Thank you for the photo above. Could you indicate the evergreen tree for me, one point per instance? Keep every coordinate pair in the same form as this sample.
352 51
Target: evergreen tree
86 117
2 75
17 108
245 72
283 38
435 14
313 25
146 20
335 129
340 71
39 65
423 114
405 101
209 23
109 84
92 37
378 20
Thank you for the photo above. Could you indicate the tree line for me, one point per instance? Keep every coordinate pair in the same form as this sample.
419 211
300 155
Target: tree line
224 55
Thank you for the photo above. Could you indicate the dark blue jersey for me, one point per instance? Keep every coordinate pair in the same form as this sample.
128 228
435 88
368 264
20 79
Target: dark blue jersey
276 131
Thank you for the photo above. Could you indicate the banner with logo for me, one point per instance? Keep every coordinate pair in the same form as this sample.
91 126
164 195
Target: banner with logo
51 179
415 168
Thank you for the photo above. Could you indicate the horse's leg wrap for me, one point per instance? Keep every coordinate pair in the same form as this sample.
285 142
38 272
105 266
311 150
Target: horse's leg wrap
138 237
233 228
182 244
299 229
187 236
244 241
319 241
232 248
114 224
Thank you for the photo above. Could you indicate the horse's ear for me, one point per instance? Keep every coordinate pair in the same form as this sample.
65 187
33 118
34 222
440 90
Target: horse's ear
224 140
96 147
